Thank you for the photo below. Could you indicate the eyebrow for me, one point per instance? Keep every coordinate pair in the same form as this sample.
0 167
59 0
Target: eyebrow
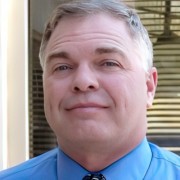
62 54
109 50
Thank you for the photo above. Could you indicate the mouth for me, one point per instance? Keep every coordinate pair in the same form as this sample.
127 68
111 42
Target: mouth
86 106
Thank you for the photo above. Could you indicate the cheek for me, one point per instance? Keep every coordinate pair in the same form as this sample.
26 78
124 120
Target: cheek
54 87
117 89
126 90
53 93
117 86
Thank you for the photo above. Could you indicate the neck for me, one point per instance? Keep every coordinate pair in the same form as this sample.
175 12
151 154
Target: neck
95 159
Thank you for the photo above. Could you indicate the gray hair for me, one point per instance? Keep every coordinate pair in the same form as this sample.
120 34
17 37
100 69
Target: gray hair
114 8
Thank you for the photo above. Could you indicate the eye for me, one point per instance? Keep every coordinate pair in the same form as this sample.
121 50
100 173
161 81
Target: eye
110 63
63 67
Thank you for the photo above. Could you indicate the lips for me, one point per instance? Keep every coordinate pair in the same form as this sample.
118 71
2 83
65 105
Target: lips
85 106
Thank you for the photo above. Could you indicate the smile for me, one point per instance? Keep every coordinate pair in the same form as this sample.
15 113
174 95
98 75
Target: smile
87 106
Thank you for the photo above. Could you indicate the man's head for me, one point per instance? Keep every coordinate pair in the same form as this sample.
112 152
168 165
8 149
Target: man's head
98 80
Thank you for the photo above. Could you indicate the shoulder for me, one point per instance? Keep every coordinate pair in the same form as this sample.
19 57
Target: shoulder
35 166
164 155
164 164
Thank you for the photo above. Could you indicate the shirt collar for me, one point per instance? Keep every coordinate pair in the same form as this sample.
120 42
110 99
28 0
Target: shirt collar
134 164
68 169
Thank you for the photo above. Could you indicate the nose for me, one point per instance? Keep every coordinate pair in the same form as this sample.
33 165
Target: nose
84 80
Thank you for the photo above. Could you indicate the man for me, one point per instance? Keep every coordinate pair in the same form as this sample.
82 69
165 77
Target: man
99 81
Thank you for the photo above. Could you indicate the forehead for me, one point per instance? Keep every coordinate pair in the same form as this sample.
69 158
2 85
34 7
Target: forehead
102 23
99 28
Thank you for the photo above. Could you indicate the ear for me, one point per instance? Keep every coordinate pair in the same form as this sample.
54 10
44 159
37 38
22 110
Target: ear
151 83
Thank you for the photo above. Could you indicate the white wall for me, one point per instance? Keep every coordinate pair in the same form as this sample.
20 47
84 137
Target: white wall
13 82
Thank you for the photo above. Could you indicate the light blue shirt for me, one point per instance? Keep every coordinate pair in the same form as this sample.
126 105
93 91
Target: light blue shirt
146 162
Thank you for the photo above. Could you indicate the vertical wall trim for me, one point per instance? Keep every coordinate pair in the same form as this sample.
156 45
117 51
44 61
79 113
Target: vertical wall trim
14 123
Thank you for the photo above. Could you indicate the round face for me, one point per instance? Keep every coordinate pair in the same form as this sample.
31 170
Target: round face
95 88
